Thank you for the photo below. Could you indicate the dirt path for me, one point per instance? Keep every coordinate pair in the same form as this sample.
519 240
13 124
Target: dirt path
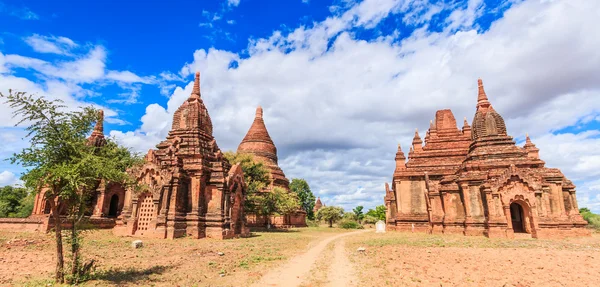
294 271
341 272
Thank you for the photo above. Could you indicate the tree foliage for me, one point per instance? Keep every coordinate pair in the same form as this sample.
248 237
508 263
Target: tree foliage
592 218
15 202
330 214
305 196
358 211
256 174
258 200
378 212
60 161
277 201
350 216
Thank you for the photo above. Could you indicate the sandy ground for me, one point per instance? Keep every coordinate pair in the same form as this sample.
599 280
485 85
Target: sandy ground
294 272
28 258
405 259
313 257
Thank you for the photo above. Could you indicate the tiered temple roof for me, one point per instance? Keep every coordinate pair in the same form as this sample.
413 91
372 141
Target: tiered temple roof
444 150
258 142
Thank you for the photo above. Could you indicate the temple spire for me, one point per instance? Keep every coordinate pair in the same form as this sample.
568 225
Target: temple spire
530 148
417 142
97 137
259 112
400 159
482 99
196 90
466 129
99 127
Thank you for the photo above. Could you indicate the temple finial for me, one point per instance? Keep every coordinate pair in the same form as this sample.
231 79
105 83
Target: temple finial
99 127
196 89
259 112
481 96
527 139
465 122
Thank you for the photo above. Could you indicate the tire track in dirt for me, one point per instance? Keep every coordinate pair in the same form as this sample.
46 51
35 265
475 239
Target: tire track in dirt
293 272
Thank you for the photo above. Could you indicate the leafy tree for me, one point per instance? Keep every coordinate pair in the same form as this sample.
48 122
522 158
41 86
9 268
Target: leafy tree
15 202
358 211
349 216
305 195
256 176
60 161
330 214
378 212
368 219
277 201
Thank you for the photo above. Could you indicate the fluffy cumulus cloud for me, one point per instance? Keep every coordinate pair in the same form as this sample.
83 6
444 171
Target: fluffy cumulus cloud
9 178
56 80
336 104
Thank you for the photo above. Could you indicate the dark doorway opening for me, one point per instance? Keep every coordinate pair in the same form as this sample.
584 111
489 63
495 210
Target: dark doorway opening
114 206
517 217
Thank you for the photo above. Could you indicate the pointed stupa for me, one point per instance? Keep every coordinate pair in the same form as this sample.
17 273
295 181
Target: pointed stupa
258 142
318 205
530 148
400 159
487 121
97 136
192 115
196 89
482 99
417 143
466 129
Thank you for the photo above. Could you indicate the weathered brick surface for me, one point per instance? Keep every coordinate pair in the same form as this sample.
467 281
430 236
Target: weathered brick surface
476 181
258 142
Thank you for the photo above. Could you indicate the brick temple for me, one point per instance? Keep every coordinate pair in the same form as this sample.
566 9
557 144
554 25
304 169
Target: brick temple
187 186
258 142
477 181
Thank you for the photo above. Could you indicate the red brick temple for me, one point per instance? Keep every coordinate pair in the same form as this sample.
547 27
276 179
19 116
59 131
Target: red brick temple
477 181
187 187
258 142
106 202
318 205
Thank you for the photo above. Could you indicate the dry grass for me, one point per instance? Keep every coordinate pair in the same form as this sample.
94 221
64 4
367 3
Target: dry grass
29 258
416 259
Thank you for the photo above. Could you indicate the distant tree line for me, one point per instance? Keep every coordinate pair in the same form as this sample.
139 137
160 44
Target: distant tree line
16 202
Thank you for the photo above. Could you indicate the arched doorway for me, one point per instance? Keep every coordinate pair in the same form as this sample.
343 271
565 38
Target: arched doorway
114 206
517 217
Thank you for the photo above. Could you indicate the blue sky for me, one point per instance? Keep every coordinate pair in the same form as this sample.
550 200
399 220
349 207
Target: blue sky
342 82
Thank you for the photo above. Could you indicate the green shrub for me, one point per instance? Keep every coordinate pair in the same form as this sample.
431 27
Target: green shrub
312 223
349 224
592 219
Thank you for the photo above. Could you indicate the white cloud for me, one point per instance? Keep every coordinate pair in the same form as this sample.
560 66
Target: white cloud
9 178
233 3
336 106
51 44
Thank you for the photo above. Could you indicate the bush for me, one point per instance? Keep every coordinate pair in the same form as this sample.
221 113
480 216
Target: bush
312 223
368 219
592 219
349 224
349 216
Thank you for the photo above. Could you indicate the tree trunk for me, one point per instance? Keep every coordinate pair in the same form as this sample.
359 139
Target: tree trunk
60 263
330 223
74 250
